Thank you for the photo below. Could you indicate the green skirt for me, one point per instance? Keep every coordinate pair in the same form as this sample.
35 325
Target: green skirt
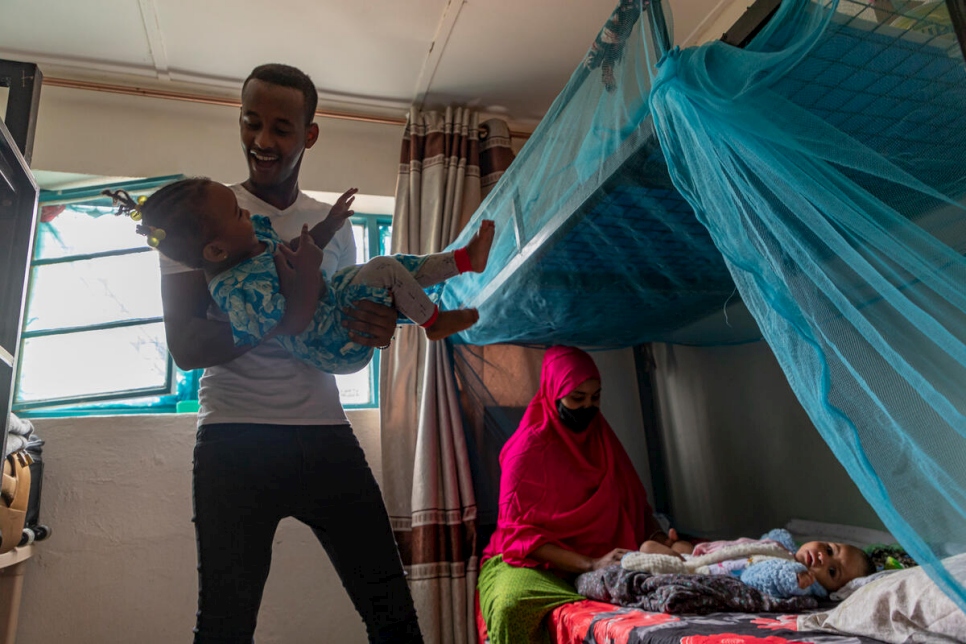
514 601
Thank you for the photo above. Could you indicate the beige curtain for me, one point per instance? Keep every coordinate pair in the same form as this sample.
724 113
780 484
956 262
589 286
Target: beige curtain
448 161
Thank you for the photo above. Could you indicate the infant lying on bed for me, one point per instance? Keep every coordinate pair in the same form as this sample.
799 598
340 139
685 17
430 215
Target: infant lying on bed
772 564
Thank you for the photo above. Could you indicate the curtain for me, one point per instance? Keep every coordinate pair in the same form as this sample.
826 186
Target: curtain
448 162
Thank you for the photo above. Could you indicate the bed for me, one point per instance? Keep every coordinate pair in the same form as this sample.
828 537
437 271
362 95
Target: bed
596 247
894 607
593 622
590 622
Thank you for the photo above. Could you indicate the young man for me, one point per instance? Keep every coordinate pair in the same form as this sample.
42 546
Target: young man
273 439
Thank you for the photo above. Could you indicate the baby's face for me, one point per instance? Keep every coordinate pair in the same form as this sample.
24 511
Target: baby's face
231 225
832 564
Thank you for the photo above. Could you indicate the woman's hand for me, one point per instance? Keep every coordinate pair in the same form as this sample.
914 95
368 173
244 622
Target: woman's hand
611 558
569 561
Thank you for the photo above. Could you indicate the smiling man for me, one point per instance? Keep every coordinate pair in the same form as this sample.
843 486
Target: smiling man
273 440
278 110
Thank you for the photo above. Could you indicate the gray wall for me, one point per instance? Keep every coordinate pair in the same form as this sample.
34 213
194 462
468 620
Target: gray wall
743 456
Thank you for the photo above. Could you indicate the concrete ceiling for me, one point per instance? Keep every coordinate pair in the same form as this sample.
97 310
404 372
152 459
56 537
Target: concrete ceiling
507 57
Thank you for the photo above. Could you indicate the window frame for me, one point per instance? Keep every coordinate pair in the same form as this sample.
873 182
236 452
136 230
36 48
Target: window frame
373 225
67 405
131 401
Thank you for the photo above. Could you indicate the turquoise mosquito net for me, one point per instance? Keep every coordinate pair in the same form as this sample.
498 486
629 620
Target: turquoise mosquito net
820 170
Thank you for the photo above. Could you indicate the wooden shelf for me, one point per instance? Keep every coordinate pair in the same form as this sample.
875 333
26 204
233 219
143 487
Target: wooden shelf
16 555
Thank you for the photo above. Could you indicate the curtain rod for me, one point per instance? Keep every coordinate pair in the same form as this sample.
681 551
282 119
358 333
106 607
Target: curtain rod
224 102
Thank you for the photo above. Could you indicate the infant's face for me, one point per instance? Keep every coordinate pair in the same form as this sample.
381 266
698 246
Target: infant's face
231 224
832 564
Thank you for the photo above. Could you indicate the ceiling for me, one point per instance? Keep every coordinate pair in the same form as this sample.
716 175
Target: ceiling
375 57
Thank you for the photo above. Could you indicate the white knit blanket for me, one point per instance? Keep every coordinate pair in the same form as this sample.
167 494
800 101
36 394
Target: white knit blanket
667 564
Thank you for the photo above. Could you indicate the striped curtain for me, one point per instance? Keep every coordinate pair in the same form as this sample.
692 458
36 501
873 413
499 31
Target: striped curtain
449 162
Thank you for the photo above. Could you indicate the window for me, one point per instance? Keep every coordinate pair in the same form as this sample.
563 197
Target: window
93 339
361 389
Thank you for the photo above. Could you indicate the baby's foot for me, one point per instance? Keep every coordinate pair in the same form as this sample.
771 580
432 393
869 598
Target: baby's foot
479 247
449 322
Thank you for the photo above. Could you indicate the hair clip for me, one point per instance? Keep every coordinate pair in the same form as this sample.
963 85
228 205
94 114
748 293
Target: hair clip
135 212
132 208
155 235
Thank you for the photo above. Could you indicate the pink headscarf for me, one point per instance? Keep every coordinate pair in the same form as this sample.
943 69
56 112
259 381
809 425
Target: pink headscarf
576 490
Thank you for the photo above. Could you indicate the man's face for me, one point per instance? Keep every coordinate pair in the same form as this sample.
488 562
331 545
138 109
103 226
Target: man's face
274 133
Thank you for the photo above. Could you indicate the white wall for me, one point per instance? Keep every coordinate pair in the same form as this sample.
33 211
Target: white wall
120 564
98 133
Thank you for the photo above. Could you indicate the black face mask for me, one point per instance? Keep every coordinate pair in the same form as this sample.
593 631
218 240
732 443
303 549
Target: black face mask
578 419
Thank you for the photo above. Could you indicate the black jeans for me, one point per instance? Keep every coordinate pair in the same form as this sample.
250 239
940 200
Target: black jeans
249 477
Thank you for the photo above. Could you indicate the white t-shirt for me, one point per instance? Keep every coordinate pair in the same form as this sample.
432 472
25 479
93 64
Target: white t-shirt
267 384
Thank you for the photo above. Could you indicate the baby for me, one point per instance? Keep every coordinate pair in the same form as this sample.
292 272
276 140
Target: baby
773 564
198 222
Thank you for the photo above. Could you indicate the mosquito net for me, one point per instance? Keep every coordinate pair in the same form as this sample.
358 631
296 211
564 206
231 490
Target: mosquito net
821 170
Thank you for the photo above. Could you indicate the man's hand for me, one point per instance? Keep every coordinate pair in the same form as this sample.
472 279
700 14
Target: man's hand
370 324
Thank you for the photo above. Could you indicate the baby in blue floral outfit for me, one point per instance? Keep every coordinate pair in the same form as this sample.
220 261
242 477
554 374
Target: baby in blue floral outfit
198 222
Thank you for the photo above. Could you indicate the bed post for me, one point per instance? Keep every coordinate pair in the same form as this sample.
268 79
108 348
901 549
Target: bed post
644 363
957 13
751 22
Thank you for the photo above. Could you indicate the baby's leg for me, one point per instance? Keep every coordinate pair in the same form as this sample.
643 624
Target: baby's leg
437 267
410 299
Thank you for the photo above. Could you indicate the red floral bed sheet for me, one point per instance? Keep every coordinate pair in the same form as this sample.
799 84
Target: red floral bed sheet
590 622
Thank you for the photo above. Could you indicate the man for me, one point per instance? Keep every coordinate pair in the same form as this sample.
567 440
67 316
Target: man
273 440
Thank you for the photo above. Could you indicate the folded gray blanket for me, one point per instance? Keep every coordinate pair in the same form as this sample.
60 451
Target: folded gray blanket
682 593
20 435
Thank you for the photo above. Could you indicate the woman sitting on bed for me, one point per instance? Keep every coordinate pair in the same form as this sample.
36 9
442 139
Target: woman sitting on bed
570 502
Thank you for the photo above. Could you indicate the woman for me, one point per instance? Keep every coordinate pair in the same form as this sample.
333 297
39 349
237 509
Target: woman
570 502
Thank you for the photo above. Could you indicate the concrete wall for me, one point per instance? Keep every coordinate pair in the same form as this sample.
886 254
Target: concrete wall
120 564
